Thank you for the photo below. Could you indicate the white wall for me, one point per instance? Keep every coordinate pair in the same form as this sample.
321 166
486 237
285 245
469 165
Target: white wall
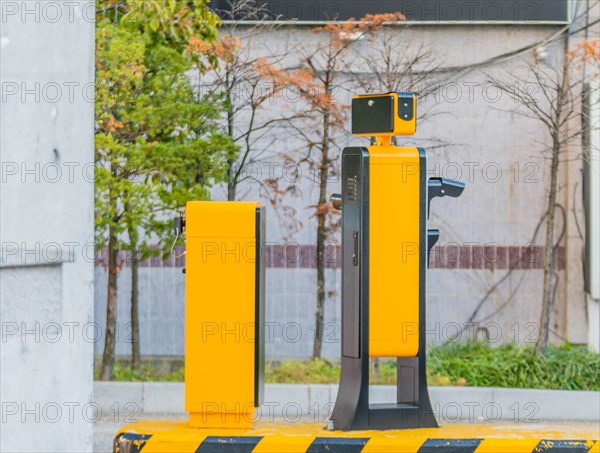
46 225
498 155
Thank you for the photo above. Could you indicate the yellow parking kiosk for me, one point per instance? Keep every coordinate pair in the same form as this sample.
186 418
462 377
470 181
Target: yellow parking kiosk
385 246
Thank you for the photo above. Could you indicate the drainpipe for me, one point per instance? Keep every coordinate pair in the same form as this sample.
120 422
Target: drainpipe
591 194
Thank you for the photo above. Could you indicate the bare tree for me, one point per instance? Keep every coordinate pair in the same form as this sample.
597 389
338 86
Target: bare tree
554 104
246 45
394 62
318 77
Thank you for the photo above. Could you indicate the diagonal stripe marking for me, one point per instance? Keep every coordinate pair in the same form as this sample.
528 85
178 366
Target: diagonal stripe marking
237 444
337 445
449 446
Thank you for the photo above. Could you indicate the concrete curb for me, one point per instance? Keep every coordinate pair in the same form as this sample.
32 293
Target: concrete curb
293 402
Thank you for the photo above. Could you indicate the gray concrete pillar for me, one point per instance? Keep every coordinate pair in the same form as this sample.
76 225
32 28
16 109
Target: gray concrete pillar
46 225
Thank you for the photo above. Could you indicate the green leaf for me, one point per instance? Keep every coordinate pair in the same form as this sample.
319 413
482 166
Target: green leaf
155 23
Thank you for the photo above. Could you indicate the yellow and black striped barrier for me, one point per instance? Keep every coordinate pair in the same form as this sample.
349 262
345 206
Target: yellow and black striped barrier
176 436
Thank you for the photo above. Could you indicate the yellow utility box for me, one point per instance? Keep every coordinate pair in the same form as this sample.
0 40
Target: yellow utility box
224 348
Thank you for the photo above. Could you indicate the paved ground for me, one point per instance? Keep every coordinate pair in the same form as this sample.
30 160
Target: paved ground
106 428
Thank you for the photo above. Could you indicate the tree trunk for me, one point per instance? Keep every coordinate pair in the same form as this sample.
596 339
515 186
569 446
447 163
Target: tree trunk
108 358
321 238
136 355
320 313
231 171
231 180
376 363
548 290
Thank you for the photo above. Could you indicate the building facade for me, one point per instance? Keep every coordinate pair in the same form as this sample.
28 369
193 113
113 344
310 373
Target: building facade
486 275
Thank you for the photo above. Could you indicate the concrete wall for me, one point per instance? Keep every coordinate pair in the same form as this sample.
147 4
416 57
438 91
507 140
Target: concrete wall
499 154
496 152
290 312
290 307
46 225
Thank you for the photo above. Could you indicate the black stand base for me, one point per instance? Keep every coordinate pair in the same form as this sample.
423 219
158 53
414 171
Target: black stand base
354 412
399 416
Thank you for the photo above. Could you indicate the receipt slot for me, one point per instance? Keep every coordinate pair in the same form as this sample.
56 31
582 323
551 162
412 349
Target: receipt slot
385 246
224 311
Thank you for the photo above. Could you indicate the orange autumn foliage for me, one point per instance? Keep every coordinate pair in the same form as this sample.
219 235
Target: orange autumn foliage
586 50
224 48
302 80
342 32
113 125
